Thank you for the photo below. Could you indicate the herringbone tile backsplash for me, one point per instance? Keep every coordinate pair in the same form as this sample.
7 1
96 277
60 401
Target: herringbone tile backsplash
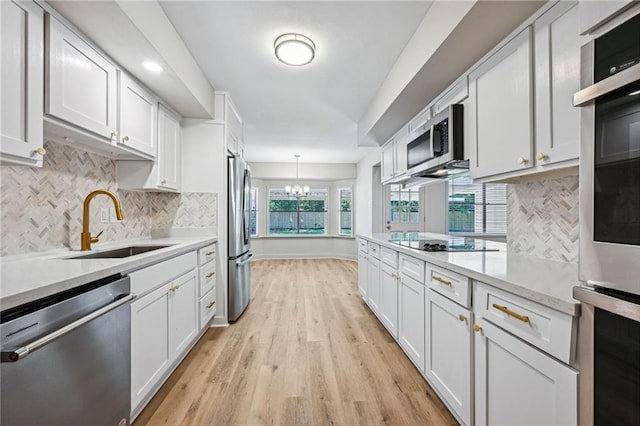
41 208
542 219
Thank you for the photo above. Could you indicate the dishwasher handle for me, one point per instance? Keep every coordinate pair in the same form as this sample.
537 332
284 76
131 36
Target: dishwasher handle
23 351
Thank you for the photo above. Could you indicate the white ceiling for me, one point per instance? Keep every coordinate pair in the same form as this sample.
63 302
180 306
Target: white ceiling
311 110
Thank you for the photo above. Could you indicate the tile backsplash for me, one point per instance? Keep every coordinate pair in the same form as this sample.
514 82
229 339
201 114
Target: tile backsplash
41 208
542 218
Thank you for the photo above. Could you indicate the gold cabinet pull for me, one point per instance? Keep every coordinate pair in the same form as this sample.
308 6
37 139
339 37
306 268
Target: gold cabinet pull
462 318
477 327
125 139
522 161
40 150
114 135
210 274
209 253
443 281
541 156
210 305
509 312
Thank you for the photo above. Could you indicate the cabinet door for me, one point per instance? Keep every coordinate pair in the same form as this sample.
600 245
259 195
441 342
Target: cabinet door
184 313
373 284
389 299
412 320
150 350
400 156
363 266
81 84
501 111
517 384
168 150
448 352
138 113
557 57
235 142
387 162
21 82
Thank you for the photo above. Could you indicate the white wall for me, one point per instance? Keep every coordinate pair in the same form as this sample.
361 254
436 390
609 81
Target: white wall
363 192
306 171
304 247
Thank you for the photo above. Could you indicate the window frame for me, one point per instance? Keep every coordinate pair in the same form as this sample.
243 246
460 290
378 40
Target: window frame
255 191
340 211
483 205
298 234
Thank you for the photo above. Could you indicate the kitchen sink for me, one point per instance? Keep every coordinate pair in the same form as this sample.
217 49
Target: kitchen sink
118 253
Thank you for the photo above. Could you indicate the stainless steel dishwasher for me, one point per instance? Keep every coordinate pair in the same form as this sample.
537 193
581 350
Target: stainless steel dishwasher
66 359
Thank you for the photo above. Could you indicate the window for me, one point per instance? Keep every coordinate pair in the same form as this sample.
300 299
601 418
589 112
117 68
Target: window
345 220
404 205
306 216
253 214
477 208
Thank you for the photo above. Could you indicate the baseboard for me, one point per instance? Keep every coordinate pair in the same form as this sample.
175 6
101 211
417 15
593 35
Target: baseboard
301 256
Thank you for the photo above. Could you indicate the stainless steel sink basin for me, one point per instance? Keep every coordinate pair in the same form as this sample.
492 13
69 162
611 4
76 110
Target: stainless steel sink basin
118 253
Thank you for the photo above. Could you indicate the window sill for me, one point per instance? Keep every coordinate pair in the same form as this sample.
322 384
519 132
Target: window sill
266 237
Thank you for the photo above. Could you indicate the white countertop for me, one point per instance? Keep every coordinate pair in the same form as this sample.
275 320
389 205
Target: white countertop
547 282
25 278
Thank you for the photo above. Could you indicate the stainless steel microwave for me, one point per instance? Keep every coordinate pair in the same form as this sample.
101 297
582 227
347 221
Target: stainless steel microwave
437 148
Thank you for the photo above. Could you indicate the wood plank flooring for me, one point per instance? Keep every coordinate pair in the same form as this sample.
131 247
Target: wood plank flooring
307 351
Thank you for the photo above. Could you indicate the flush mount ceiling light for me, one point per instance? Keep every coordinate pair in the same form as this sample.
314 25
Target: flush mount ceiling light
152 66
294 49
297 191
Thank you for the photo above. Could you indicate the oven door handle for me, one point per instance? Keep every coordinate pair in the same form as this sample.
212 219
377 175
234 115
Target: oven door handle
23 351
608 85
617 306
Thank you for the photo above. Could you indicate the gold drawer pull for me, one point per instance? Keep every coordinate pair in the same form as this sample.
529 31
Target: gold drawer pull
209 253
477 327
462 318
509 312
443 281
210 305
210 274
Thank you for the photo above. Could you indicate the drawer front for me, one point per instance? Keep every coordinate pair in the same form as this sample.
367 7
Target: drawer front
374 250
412 267
154 276
450 284
206 254
362 245
208 307
390 257
543 327
207 278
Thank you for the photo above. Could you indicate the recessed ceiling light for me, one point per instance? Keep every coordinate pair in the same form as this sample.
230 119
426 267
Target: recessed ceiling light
294 49
152 66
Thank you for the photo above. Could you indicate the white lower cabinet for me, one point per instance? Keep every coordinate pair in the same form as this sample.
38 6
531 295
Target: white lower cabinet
448 353
373 284
184 312
389 299
516 384
363 266
412 311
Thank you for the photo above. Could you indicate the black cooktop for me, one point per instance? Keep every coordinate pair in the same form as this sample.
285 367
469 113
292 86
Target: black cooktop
451 244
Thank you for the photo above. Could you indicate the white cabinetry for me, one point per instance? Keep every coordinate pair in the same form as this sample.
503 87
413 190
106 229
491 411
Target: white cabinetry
595 13
412 312
517 384
21 83
501 115
81 83
389 290
208 280
138 115
227 114
448 352
163 323
162 174
363 266
394 157
373 284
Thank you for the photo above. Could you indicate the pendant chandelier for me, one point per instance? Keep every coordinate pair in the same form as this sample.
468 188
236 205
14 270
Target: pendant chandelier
296 190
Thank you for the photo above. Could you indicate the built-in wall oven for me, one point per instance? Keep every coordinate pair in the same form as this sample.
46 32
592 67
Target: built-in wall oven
609 332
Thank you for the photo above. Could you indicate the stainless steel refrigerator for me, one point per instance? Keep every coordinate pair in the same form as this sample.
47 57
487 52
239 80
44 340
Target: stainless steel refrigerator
239 244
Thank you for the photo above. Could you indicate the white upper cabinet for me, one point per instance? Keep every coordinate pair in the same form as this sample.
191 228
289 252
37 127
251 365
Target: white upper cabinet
21 83
595 13
138 114
557 78
387 163
168 149
501 110
394 157
81 83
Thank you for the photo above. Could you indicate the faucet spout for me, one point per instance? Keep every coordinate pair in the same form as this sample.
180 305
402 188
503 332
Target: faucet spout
86 238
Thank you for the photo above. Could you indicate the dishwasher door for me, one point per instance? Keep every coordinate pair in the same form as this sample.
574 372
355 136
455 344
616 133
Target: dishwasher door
66 359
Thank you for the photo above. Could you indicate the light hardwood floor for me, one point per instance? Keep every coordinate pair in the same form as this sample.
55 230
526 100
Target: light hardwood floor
307 351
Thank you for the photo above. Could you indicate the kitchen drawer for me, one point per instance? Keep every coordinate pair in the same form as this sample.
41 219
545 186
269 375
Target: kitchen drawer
450 284
206 254
154 276
208 307
207 277
412 267
374 250
362 245
389 256
543 327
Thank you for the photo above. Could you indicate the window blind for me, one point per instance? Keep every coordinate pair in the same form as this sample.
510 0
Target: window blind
479 208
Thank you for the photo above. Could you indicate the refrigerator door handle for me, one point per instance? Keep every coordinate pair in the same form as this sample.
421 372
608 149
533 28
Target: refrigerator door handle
244 261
